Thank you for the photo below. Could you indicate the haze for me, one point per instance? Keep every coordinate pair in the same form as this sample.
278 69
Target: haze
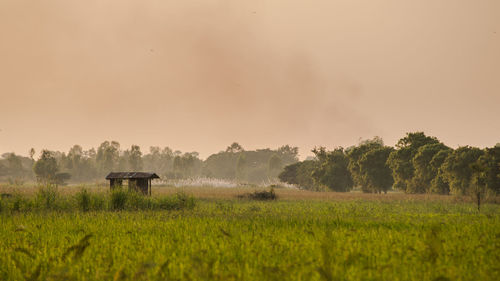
198 75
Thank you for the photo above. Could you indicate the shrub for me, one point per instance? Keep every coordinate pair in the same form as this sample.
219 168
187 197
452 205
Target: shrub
179 201
260 195
98 201
47 197
137 201
118 199
83 200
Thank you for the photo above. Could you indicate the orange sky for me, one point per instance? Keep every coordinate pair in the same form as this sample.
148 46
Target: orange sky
198 75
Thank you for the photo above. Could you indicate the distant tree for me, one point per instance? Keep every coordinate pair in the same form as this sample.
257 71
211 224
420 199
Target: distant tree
241 166
134 158
439 184
400 160
275 166
234 148
300 174
374 169
32 153
491 163
478 180
288 154
424 171
15 169
46 167
355 155
456 169
332 170
107 156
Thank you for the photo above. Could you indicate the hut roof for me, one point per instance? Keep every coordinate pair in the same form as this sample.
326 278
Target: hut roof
131 175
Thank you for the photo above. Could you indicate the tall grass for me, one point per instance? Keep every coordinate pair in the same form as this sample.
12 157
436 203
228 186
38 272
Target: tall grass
254 240
48 198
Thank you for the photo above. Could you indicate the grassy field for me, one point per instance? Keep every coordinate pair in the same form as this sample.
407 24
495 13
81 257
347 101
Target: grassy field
208 234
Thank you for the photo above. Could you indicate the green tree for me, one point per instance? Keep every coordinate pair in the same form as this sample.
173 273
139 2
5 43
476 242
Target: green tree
355 154
46 167
457 171
491 163
400 160
425 168
333 171
374 169
439 183
300 174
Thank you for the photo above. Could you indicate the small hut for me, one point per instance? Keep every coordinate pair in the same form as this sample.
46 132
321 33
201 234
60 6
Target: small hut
138 181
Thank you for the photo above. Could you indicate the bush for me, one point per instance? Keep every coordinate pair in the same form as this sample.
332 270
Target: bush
260 195
83 200
118 199
46 197
137 201
179 201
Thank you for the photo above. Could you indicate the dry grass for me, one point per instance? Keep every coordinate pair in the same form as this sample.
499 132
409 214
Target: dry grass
212 193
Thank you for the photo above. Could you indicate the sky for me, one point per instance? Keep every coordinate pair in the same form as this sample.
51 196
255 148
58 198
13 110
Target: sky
199 75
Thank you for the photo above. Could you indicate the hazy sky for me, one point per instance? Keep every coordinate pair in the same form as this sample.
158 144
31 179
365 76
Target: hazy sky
198 75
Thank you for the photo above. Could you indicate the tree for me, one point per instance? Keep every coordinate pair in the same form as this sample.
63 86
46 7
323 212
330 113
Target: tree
300 174
478 180
46 167
355 154
107 156
456 169
234 148
275 166
424 171
15 166
491 163
288 154
134 158
400 160
241 166
332 170
439 183
374 169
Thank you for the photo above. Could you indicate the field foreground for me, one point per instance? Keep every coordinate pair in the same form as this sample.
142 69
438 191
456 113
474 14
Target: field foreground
219 239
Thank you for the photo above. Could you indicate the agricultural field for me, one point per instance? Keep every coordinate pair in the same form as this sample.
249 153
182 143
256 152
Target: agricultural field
206 233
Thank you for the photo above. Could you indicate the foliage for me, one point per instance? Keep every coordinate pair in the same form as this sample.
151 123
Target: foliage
426 166
401 160
300 174
457 170
46 167
376 174
262 195
332 170
249 166
355 154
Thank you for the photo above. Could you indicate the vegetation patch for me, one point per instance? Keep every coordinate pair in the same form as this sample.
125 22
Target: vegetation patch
263 195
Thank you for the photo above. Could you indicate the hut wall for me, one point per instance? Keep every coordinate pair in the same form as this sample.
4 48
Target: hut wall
142 185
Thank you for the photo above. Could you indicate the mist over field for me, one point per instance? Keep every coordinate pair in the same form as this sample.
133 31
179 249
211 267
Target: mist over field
198 75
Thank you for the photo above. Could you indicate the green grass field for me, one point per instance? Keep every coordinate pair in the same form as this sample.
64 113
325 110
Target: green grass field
358 238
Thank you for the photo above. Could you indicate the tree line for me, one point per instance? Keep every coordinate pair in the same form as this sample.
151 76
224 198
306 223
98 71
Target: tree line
417 164
79 165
